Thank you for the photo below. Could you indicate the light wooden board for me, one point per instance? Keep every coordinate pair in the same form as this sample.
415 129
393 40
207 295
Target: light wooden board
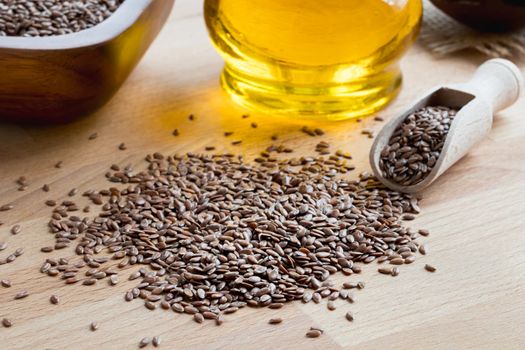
476 299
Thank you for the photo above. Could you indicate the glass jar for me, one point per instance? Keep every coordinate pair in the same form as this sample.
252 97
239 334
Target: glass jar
332 58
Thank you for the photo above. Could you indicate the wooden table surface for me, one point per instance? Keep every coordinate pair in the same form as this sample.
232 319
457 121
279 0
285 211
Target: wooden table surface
475 213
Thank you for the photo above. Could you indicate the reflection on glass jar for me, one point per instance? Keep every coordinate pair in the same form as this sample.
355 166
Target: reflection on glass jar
330 58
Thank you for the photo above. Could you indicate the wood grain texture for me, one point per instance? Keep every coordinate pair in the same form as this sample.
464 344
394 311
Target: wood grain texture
475 300
60 78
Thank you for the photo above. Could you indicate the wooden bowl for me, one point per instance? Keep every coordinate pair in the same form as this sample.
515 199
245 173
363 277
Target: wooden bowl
486 15
58 78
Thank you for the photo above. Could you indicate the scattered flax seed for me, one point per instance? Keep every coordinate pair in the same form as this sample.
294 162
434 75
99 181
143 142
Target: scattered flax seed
93 326
122 146
190 222
3 246
73 192
319 132
408 217
305 129
6 207
89 282
253 125
86 209
51 203
360 285
93 136
45 188
378 118
19 252
424 232
191 117
209 148
349 285
54 299
134 275
330 305
156 341
228 133
430 268
47 249
22 181
7 322
175 132
219 320
16 229
395 271
244 116
21 295
238 142
59 164
313 333
144 342
274 137
423 249
349 316
5 283
385 270
275 320
113 279
198 318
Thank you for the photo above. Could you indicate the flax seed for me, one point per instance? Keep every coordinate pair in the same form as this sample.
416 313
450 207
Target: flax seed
144 342
430 268
198 318
15 229
156 341
21 295
54 299
5 283
7 323
313 333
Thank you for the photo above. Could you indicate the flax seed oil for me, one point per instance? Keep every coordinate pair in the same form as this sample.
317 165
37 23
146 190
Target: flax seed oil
335 59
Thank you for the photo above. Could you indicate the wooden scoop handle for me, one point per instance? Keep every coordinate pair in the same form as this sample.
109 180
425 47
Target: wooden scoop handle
497 81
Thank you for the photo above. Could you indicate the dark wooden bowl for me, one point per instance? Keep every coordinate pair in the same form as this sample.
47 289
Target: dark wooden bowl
59 78
486 15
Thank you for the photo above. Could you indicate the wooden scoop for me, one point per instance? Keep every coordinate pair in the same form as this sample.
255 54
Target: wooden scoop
496 85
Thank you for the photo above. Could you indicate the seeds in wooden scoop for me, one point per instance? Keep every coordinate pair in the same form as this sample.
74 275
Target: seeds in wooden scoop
52 17
415 145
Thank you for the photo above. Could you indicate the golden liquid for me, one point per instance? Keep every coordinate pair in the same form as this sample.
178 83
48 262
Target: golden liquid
335 58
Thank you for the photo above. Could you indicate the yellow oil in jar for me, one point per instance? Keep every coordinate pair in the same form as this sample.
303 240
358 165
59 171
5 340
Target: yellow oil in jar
331 58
